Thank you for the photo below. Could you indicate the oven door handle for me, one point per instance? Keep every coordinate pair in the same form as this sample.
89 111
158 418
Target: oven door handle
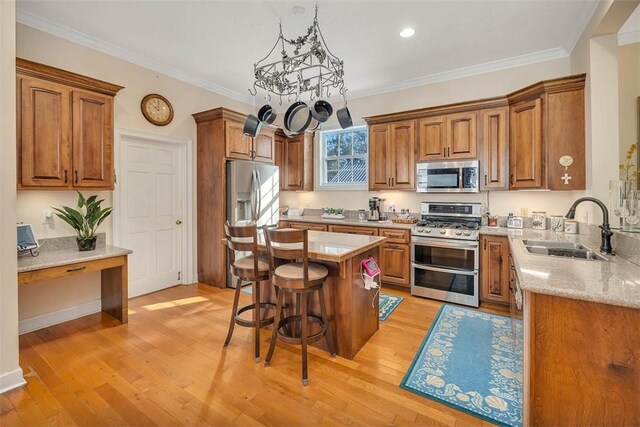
428 242
444 270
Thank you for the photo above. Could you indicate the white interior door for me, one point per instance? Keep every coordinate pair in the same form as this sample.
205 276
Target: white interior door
152 192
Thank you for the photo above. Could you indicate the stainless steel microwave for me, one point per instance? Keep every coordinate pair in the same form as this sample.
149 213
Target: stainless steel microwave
448 177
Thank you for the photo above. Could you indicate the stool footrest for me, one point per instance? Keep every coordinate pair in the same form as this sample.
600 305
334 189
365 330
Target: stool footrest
250 323
289 339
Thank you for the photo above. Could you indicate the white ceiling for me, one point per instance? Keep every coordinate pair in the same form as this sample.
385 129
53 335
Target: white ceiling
214 44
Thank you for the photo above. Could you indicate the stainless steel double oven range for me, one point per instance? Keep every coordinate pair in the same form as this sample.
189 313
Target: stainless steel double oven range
445 252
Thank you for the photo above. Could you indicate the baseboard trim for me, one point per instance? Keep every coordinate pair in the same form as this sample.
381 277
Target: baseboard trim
10 380
44 320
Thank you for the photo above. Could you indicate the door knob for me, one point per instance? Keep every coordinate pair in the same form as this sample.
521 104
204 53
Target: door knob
178 222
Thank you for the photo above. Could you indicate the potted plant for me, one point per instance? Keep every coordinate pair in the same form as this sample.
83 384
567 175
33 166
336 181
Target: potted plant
86 220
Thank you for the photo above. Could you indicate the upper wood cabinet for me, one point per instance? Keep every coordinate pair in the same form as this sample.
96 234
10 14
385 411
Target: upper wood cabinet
64 129
494 273
241 147
278 155
447 137
494 161
392 156
297 163
546 123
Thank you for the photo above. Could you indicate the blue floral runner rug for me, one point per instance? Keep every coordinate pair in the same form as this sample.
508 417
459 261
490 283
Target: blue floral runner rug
468 361
388 303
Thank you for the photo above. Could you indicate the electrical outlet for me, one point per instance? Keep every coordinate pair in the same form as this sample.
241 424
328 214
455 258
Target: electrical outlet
524 212
391 207
47 215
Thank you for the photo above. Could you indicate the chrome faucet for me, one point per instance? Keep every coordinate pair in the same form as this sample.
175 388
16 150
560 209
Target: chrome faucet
605 233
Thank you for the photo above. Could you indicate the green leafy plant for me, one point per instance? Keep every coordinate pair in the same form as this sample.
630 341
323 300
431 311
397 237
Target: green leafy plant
86 220
628 169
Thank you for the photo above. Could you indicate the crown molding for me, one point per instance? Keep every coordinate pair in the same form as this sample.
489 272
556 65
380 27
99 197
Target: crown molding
80 38
629 37
488 67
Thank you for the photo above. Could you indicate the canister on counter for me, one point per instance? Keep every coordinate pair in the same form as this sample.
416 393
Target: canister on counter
570 226
539 220
557 223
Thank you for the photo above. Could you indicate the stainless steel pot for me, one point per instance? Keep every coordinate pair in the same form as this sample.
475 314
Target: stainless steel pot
266 114
297 118
251 126
321 111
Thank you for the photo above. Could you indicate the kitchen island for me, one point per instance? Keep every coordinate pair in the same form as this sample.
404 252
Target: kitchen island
352 309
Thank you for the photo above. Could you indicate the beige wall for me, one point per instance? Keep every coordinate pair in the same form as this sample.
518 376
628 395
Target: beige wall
628 94
459 90
46 297
10 372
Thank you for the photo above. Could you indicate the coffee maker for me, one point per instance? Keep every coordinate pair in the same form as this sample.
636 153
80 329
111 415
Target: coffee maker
375 204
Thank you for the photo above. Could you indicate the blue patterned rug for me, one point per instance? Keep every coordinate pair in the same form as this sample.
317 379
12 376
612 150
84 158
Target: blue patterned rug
468 361
388 303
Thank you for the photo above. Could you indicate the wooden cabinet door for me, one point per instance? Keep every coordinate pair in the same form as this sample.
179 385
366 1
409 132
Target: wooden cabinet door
263 146
462 136
294 163
494 276
367 231
278 156
237 144
395 263
44 134
525 147
403 144
92 140
379 157
494 164
433 138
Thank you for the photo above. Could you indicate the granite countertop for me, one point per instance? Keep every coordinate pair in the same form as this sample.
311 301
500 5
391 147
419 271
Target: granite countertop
615 282
55 258
346 221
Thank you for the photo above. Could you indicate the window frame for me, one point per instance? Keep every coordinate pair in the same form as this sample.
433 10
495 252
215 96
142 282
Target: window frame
320 183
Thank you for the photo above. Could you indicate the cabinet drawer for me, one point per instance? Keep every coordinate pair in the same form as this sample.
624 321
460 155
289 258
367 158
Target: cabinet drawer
70 269
394 235
308 226
368 231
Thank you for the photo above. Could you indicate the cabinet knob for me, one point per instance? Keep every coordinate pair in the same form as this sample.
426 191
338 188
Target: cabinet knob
66 177
511 179
76 176
178 222
485 179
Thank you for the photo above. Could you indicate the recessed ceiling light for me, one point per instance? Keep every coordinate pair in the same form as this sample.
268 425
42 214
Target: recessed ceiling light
407 32
297 10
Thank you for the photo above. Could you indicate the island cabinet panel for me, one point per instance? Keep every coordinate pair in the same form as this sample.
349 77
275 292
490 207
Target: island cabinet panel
379 155
433 138
494 163
462 136
583 363
368 231
92 140
44 134
494 273
525 147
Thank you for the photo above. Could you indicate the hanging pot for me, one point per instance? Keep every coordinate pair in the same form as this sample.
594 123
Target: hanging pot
344 117
251 126
321 111
266 114
289 134
297 117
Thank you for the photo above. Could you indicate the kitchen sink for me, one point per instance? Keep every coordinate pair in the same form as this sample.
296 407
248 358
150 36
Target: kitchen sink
562 249
552 244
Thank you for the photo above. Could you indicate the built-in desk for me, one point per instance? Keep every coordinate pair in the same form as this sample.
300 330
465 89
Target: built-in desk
110 260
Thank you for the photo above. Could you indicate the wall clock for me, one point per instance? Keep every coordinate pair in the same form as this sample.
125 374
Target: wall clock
157 109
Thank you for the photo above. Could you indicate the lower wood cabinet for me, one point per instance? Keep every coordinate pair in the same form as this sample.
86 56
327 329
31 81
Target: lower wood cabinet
368 231
494 269
395 263
307 226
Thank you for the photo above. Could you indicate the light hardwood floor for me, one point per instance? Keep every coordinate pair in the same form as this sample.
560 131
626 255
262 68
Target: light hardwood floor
167 366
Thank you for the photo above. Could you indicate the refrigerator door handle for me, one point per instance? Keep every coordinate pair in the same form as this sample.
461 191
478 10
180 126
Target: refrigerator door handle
254 200
258 196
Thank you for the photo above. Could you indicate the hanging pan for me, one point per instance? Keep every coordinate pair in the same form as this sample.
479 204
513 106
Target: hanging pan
251 126
344 116
266 114
321 111
297 117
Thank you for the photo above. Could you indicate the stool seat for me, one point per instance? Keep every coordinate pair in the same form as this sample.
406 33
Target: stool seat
295 271
246 263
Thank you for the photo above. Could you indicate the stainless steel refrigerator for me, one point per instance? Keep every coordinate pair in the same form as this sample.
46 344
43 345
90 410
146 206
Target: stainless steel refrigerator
252 193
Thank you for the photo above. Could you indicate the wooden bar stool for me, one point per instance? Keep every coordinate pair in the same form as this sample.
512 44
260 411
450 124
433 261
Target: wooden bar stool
253 268
297 276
